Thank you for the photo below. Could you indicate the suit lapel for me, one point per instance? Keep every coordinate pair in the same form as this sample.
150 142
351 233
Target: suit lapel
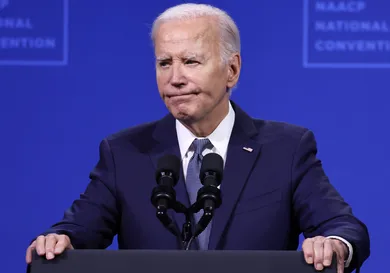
238 167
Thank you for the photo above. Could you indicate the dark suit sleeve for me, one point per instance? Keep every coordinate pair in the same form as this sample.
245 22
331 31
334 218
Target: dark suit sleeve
91 221
319 208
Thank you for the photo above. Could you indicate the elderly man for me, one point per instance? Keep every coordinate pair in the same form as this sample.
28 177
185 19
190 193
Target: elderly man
274 188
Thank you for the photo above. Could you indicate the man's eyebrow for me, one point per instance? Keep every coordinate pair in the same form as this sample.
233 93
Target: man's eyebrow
186 56
162 58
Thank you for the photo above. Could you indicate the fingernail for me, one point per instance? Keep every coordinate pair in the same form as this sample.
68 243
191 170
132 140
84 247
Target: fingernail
319 266
310 260
50 255
326 262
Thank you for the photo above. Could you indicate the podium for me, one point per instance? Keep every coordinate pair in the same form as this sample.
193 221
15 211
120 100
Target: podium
175 261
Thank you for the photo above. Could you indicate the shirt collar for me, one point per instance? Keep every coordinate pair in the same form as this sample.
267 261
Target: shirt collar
219 137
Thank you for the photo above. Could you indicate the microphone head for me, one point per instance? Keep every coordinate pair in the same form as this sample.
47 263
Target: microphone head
168 164
212 162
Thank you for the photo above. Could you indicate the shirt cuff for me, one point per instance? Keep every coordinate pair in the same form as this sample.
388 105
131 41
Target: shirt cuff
348 261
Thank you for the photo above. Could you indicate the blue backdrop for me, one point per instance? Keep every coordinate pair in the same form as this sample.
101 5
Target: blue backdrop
73 73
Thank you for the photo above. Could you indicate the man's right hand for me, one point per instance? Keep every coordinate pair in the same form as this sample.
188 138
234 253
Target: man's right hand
49 245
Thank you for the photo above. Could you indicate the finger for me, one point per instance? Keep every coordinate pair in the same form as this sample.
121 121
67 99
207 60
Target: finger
29 251
62 244
318 249
340 266
340 259
340 251
70 246
328 252
40 245
307 248
51 241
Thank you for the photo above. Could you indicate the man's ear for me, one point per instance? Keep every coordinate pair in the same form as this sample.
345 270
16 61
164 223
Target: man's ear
234 70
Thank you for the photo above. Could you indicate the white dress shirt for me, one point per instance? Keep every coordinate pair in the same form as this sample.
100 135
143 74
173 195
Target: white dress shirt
219 138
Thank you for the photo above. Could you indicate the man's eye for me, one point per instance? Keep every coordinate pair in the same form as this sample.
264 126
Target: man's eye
164 64
191 62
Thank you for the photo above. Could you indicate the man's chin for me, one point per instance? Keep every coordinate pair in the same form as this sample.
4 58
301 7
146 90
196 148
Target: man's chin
184 116
184 112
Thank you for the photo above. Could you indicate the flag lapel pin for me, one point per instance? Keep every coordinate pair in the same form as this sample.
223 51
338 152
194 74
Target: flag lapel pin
248 149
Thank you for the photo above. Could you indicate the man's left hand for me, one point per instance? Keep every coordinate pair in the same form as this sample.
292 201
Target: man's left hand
319 250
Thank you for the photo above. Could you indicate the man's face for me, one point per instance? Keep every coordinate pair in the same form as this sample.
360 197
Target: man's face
191 78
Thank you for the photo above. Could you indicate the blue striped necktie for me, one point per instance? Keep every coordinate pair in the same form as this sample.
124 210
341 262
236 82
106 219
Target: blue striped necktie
193 183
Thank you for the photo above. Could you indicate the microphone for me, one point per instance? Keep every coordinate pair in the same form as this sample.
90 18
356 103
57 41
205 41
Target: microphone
164 196
209 196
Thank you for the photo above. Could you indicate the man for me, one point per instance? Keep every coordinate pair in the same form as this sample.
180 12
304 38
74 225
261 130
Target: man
274 187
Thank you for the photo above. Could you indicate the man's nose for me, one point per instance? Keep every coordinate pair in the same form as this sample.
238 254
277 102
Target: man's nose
178 78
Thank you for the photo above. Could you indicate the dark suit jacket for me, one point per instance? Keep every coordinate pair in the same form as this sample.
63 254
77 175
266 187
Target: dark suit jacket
270 195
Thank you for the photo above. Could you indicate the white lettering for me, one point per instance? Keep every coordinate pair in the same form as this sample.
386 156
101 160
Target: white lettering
352 26
352 46
16 23
27 42
342 6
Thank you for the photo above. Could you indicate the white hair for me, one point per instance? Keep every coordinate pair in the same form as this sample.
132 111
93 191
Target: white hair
230 36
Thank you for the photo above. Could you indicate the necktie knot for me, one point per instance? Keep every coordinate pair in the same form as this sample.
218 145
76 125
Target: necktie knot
199 145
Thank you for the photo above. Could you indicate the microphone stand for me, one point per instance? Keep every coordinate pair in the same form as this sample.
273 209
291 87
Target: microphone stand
201 225
186 233
187 236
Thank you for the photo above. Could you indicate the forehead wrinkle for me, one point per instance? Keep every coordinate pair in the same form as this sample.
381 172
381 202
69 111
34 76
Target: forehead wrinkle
195 50
171 39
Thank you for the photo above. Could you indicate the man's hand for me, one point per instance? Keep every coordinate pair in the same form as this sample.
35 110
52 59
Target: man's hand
49 245
319 250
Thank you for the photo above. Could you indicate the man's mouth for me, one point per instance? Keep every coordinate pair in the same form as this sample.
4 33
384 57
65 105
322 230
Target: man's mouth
184 95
